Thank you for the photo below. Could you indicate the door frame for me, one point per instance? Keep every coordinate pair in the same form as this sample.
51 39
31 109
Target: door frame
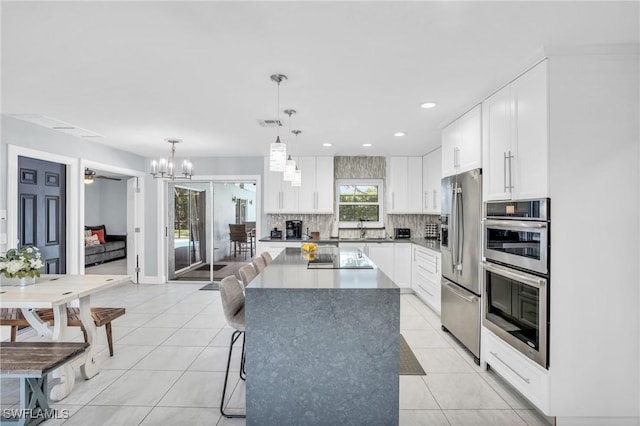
163 213
72 196
138 237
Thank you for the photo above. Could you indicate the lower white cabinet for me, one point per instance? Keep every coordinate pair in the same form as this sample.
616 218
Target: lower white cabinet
394 259
402 264
531 380
382 255
425 275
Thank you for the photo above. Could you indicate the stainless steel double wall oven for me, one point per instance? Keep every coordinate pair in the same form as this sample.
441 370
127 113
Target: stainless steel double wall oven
516 274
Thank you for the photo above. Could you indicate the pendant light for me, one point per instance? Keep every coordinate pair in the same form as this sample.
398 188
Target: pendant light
278 149
297 175
290 165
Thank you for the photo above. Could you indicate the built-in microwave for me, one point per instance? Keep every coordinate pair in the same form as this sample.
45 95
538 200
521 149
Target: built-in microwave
516 234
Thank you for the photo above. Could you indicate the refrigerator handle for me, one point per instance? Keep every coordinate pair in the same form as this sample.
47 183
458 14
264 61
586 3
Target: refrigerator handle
454 224
460 230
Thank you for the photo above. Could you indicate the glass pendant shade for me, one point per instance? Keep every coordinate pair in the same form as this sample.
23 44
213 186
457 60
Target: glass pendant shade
297 178
277 156
289 170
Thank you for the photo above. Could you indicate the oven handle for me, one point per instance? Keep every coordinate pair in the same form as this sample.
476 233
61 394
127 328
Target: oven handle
531 280
514 224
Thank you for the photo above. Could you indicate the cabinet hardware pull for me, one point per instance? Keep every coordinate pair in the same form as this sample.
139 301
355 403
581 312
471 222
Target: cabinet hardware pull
434 199
510 171
504 171
495 355
393 201
425 204
460 295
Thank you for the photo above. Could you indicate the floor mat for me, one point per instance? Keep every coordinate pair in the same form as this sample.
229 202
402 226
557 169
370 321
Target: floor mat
216 267
409 364
210 286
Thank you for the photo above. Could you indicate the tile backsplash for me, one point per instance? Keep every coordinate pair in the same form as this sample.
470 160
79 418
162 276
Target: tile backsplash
355 168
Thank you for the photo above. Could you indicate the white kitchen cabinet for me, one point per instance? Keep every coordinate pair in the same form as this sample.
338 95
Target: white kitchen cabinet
462 143
425 275
431 178
359 245
522 373
382 255
314 196
316 192
279 196
404 185
515 138
402 264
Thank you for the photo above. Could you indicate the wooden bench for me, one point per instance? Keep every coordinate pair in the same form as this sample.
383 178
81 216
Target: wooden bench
31 362
101 316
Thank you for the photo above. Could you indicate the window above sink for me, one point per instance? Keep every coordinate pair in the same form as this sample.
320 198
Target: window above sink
359 203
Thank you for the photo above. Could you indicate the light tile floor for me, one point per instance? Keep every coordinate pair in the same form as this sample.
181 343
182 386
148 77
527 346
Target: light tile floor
170 356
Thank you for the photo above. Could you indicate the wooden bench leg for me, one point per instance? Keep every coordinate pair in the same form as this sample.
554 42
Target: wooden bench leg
14 332
107 328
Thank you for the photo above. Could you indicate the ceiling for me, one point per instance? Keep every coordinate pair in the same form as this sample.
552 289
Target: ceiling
139 72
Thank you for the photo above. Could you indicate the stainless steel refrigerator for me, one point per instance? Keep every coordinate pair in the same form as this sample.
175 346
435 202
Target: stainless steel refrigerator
460 245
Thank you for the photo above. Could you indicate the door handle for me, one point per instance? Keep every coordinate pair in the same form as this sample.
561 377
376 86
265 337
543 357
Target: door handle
510 171
434 199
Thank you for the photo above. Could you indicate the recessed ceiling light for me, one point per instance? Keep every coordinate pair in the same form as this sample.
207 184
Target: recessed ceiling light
327 144
428 105
399 134
366 145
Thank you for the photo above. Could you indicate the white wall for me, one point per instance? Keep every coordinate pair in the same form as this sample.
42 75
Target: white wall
105 203
595 214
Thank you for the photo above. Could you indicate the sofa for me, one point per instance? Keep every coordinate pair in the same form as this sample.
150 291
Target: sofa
114 247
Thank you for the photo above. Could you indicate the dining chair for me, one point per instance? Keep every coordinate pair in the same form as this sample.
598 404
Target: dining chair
232 298
259 263
247 273
267 258
240 241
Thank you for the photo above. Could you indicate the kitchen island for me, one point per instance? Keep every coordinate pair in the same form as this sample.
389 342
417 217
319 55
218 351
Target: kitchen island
322 341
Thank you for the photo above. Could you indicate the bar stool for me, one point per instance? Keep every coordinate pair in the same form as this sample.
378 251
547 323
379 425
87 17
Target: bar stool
247 273
232 297
258 263
267 257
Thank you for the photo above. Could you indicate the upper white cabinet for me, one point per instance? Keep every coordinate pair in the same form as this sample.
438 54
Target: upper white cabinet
431 177
314 196
404 185
515 138
462 143
316 192
279 196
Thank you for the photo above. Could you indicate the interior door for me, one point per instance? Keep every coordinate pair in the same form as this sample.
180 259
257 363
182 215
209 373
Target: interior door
42 210
134 204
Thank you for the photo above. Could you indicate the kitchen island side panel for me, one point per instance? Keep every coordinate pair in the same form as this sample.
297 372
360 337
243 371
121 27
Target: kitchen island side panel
322 356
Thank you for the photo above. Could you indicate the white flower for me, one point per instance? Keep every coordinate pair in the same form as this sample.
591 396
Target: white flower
29 250
14 266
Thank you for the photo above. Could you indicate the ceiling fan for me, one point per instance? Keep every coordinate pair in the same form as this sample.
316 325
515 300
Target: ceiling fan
90 175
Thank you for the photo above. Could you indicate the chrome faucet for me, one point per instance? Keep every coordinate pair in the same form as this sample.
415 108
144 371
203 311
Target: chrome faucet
363 230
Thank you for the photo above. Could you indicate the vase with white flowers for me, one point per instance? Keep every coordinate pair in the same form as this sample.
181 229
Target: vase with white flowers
22 264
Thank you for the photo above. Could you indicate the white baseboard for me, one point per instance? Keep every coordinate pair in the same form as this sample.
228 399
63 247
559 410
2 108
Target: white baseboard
597 421
154 279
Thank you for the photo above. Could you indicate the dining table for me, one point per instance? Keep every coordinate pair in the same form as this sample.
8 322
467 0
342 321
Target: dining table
58 292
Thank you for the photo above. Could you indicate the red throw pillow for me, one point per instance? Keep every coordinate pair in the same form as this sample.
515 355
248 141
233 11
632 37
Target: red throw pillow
100 234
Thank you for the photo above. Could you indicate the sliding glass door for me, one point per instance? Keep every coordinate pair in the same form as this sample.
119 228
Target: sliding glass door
187 226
